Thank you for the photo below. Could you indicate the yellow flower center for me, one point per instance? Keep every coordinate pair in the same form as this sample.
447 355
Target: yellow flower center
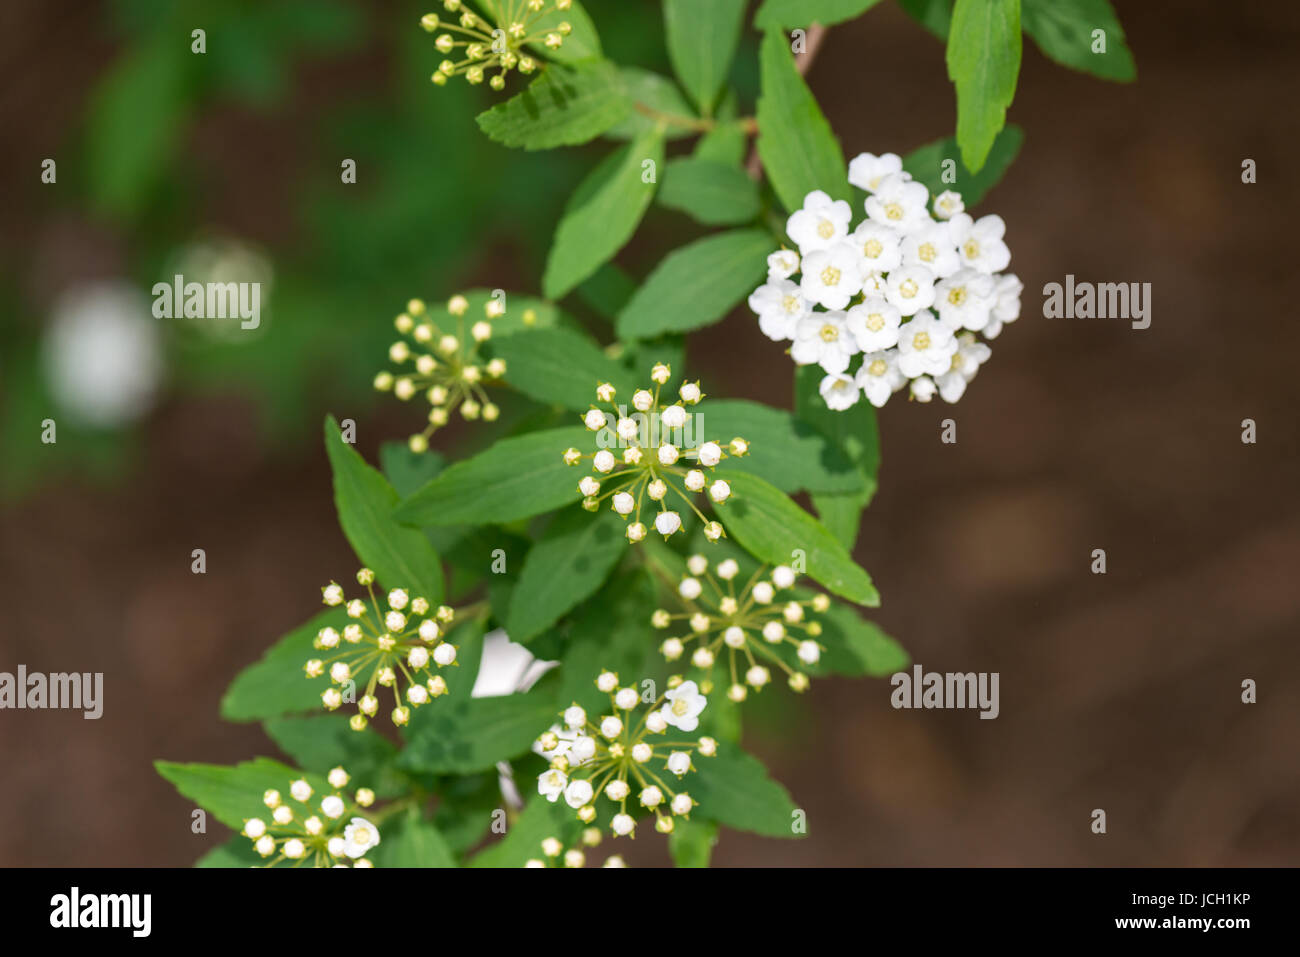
957 295
921 341
908 288
825 229
957 360
971 248
830 276
927 252
829 333
872 248
790 304
681 706
878 367
893 211
875 322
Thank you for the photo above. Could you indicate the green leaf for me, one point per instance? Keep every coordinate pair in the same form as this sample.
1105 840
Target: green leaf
609 631
560 367
856 647
539 820
733 789
460 734
1063 30
570 561
649 94
697 284
711 193
775 14
983 62
276 685
796 144
400 557
234 794
790 454
855 432
769 526
602 214
236 852
518 477
405 470
702 39
414 842
926 165
608 290
582 43
564 106
322 742
692 840
725 144
934 15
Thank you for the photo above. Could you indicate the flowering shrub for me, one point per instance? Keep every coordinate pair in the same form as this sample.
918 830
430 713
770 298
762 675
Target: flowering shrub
591 678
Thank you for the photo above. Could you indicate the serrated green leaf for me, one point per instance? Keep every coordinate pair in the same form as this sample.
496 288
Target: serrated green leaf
926 165
697 284
772 528
608 290
516 478
691 842
608 632
702 39
983 63
799 151
458 734
856 647
400 557
582 43
790 454
232 794
564 106
561 367
568 563
734 789
276 685
725 144
405 470
602 214
1063 30
802 13
711 193
413 842
652 97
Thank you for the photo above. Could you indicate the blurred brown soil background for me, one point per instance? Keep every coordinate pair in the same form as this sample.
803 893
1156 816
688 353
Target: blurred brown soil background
1118 691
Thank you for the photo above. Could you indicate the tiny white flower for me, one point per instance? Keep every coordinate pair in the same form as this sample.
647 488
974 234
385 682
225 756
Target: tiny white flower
651 797
839 391
1006 306
931 246
878 246
697 564
679 762
666 523
709 454
332 806
444 654
820 223
622 824
690 392
702 658
582 750
332 594
429 630
395 621
809 652
866 170
874 324
265 845
909 289
294 848
965 300
624 503
254 827
417 657
282 815
627 429
673 417
417 694
327 638
575 717
773 632
948 204
824 339
359 836
669 454
636 532
589 486
682 804
642 752
607 681
603 461
763 593
899 203
782 264
708 747
336 846
594 420
833 276
626 699
617 790
734 637
970 355
757 676
338 778
578 793
923 388
398 598
879 377
550 784
690 588
655 723
779 305
979 242
642 400
683 706
925 347
728 569
611 727
719 491
783 576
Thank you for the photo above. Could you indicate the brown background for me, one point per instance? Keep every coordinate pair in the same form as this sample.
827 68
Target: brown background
1119 691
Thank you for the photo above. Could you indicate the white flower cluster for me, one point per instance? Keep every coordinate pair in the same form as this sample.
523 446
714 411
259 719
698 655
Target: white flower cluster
383 647
555 855
615 755
660 453
905 290
751 623
445 364
489 46
331 834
